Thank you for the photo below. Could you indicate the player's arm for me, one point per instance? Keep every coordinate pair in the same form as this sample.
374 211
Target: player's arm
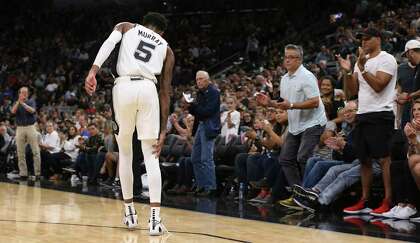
165 87
103 54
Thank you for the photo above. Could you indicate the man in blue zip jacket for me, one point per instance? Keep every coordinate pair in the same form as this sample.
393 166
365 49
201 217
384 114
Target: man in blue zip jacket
206 110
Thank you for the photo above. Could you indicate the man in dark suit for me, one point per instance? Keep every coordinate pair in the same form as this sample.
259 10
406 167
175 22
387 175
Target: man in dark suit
206 110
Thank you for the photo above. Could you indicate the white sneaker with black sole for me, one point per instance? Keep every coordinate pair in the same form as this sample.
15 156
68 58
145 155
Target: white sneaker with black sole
131 220
156 227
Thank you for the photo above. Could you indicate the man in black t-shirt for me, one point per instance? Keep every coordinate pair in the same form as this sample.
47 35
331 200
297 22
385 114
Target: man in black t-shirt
412 52
405 81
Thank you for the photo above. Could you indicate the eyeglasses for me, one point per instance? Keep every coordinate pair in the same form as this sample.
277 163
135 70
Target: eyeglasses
291 57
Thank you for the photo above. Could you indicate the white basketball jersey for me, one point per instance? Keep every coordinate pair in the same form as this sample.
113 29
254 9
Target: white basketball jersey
142 52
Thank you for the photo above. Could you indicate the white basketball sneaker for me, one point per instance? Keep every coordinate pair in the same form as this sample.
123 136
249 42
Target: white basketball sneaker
130 219
156 227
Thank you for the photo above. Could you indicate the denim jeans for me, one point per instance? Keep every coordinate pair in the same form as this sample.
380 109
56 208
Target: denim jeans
296 151
339 178
202 160
315 169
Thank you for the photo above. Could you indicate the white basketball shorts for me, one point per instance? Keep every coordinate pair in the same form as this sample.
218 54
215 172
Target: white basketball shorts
136 104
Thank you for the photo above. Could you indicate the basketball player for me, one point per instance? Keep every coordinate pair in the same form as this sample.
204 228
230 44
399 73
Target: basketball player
143 55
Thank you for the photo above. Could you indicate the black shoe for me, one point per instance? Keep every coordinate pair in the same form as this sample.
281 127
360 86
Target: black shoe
306 203
108 182
206 193
305 192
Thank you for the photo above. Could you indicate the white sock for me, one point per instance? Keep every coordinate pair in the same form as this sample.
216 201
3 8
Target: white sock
155 213
129 208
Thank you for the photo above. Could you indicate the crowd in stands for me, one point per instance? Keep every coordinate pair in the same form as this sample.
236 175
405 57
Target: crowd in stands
74 131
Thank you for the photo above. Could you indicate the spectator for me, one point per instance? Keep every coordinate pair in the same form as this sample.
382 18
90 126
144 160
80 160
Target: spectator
90 159
246 120
4 142
110 165
50 147
374 79
206 111
306 115
70 145
404 181
230 120
25 111
406 79
332 103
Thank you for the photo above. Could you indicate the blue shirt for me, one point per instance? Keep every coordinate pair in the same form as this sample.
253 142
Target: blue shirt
299 87
24 117
206 108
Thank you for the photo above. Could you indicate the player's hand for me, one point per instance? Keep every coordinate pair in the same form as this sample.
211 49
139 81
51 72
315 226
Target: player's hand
345 64
159 144
90 83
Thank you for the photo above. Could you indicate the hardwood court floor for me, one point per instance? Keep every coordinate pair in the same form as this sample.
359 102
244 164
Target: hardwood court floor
33 214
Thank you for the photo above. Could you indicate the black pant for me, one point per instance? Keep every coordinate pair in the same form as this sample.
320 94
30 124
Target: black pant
404 188
52 163
240 167
277 179
185 172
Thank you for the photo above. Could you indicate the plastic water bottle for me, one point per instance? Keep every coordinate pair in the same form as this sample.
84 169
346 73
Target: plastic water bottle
241 191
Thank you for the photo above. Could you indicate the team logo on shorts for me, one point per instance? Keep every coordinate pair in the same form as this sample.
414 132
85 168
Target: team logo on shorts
115 127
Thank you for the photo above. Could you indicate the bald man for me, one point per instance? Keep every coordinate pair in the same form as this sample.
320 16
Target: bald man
206 110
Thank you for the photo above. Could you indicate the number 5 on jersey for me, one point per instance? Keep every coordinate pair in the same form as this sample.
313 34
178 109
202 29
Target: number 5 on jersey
144 51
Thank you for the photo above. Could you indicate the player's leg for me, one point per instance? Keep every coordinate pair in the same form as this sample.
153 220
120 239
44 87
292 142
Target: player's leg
155 185
148 125
124 104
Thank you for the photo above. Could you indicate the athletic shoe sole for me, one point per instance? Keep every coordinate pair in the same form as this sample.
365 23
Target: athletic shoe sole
361 211
304 206
291 207
305 193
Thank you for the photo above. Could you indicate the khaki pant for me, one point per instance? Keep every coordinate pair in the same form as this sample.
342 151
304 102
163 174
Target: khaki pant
24 135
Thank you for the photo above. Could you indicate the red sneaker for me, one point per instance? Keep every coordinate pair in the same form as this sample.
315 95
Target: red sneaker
359 207
382 209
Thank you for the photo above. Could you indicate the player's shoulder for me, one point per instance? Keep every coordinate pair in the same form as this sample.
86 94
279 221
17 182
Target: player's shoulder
124 26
